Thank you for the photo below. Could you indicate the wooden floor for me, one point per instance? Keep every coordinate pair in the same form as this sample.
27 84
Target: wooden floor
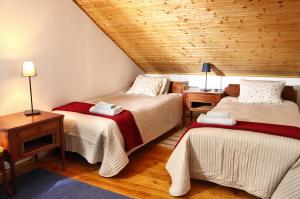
144 177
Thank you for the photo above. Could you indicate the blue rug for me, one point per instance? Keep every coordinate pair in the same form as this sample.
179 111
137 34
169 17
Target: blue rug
43 184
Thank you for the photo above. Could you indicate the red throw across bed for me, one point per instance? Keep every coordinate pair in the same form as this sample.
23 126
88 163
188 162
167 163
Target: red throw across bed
272 129
124 120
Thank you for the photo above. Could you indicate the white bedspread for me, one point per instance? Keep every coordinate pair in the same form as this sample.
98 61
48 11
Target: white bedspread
100 140
254 162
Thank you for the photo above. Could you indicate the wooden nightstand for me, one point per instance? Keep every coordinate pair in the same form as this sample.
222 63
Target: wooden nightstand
197 100
24 136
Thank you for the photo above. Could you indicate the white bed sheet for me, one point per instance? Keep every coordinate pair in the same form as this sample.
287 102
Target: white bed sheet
251 161
100 140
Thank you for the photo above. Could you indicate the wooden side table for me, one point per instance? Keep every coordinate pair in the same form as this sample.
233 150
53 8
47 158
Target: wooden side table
5 156
26 136
197 100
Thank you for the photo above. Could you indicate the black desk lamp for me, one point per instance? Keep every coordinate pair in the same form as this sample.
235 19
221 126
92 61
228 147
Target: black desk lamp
29 71
206 68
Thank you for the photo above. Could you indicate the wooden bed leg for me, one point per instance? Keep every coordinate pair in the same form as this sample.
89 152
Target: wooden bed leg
12 174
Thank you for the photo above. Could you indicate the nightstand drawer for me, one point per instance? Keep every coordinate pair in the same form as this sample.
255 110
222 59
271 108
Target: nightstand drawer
39 129
194 97
29 132
49 126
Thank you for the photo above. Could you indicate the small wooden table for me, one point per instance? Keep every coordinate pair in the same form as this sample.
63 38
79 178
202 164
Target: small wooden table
25 136
197 100
5 156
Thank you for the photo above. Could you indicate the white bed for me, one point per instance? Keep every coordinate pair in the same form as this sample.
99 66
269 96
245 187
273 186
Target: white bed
99 139
258 163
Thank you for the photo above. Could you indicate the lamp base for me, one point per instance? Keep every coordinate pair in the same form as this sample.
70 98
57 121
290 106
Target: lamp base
205 90
32 112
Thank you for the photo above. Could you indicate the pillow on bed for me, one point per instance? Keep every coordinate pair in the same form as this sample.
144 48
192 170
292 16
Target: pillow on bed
163 86
166 87
145 85
258 91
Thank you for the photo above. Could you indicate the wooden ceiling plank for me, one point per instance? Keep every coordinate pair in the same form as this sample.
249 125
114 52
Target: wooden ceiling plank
261 37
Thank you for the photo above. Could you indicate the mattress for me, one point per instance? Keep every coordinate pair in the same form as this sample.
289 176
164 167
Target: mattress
261 164
99 139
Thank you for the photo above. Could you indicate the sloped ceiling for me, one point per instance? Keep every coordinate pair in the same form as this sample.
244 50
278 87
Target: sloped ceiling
240 37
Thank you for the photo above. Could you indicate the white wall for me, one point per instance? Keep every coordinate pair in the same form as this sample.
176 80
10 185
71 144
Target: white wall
74 59
218 82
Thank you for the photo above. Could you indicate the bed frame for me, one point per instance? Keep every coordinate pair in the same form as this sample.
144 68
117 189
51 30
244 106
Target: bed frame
288 93
177 87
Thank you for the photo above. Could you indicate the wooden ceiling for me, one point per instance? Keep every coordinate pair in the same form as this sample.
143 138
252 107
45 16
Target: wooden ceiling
240 37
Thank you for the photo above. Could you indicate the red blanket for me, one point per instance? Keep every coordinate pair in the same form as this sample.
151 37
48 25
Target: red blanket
124 120
272 129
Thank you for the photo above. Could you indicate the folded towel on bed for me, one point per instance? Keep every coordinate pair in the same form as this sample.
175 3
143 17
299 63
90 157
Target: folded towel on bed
205 119
222 114
105 105
106 111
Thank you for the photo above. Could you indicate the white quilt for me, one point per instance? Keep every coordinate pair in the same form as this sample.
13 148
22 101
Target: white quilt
99 139
254 162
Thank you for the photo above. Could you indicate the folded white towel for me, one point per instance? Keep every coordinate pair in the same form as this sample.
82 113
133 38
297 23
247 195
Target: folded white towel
110 112
104 105
215 120
218 114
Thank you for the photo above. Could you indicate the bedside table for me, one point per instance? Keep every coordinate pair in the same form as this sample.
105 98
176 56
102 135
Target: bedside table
24 136
197 100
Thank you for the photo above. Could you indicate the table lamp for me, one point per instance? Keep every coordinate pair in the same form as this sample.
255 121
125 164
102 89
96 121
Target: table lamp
29 71
206 68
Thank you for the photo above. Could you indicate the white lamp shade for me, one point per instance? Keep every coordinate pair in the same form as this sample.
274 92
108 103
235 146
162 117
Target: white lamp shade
28 69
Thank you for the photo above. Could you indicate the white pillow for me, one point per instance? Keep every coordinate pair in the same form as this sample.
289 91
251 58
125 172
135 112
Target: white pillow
145 85
165 85
258 91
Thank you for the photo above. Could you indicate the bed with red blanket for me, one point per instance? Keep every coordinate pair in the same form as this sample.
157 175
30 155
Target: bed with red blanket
109 140
260 154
